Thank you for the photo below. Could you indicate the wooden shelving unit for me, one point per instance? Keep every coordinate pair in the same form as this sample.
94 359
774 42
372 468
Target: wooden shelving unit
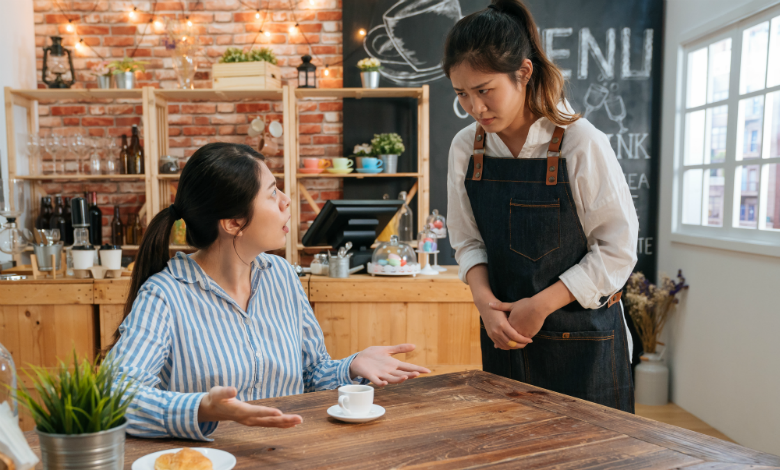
154 102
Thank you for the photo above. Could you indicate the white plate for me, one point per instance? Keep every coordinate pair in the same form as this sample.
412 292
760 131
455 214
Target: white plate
219 458
335 411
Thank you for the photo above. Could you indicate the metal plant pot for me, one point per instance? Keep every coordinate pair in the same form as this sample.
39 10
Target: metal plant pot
104 81
389 163
370 79
103 450
125 80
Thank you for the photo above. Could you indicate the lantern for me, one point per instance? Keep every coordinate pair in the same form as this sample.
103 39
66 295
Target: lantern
307 73
54 61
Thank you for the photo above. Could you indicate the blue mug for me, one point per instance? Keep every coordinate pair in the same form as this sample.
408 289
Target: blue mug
371 163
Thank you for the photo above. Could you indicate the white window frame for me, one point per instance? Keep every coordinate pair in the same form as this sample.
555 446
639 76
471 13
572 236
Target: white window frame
751 240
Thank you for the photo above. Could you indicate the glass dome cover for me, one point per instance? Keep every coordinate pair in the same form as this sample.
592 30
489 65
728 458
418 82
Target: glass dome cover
437 224
394 258
426 241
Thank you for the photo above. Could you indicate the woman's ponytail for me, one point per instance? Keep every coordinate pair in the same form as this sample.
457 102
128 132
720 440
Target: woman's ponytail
153 254
497 40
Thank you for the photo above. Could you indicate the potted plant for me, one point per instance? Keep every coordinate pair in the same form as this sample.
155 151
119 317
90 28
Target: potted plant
102 73
253 70
388 147
649 307
80 415
369 72
124 71
360 151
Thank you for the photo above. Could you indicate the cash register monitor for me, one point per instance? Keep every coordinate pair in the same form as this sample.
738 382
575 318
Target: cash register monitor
357 221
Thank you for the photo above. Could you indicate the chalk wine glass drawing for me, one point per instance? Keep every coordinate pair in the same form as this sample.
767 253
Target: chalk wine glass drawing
598 95
408 59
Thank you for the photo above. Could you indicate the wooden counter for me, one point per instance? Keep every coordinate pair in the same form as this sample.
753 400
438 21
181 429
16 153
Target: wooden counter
436 313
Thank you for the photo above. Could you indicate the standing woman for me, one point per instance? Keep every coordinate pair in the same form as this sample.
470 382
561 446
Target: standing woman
539 214
206 332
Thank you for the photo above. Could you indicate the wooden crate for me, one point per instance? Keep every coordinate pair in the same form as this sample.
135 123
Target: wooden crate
246 75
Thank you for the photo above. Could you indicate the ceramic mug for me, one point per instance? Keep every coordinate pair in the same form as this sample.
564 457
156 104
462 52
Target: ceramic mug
341 163
356 400
315 163
371 163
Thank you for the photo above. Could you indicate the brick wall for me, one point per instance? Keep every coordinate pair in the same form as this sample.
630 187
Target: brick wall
107 27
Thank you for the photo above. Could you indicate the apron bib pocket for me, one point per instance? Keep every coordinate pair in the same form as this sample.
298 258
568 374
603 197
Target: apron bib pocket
580 364
534 227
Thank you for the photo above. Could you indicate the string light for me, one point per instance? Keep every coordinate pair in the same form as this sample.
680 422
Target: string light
69 27
158 24
257 15
293 28
80 45
362 32
189 23
267 34
326 72
132 13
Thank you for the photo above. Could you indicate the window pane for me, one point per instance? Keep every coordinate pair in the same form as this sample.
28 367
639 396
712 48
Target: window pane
694 138
714 185
772 127
691 210
715 140
746 196
720 67
773 75
754 49
770 200
750 127
697 78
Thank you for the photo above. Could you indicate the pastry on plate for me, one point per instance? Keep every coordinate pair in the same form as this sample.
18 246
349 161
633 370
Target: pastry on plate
185 459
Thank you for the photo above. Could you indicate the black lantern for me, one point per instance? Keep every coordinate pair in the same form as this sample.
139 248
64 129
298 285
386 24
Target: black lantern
54 61
307 73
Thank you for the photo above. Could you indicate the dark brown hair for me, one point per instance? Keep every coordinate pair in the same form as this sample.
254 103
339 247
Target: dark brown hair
219 182
497 40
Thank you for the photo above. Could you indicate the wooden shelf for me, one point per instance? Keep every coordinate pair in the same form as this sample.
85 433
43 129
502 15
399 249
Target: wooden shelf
358 93
81 177
178 175
413 244
170 247
360 175
79 94
210 94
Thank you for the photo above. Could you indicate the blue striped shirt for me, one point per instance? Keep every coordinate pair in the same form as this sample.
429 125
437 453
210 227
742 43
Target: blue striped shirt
185 334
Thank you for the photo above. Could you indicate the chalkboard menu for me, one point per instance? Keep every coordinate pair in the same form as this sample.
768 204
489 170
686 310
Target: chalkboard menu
609 50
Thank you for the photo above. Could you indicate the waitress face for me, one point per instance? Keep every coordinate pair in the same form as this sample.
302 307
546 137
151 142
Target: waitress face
268 228
493 99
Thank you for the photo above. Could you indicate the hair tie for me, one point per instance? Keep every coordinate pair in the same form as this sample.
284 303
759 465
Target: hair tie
174 212
494 7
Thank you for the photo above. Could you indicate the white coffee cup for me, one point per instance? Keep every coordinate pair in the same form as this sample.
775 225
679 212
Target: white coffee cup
356 400
111 259
83 259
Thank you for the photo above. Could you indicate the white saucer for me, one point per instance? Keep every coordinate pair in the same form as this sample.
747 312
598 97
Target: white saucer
335 411
219 458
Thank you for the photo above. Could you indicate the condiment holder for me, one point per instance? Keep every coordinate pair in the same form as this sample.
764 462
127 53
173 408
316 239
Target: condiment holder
47 259
338 266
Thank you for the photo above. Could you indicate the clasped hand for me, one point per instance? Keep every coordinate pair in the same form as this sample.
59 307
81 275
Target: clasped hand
516 330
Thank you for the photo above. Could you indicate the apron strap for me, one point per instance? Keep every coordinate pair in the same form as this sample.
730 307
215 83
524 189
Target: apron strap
614 299
553 153
479 153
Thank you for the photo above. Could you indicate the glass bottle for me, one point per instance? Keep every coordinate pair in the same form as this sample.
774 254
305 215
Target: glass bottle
67 235
136 229
58 216
95 222
405 221
42 221
8 380
136 153
123 160
117 229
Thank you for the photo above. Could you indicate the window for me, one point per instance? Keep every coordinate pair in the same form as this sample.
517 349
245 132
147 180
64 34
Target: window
729 170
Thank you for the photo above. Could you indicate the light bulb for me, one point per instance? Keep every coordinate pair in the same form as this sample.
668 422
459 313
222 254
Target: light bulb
157 24
69 27
257 15
132 14
189 23
292 29
80 45
362 32
326 72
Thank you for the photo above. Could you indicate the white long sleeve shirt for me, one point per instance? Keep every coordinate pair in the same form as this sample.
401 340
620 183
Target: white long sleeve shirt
601 196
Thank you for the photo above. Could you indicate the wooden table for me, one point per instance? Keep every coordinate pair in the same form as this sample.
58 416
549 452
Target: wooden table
466 420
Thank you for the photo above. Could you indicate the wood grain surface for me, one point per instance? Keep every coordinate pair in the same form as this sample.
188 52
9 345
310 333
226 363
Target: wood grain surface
466 420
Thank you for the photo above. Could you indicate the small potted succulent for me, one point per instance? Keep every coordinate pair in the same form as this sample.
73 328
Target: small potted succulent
124 71
80 415
255 69
369 72
388 147
102 73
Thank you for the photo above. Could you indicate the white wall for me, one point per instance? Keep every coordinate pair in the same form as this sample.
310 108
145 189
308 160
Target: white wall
725 336
17 64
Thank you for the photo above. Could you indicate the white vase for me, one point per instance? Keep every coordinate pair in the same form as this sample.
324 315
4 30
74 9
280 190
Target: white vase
651 381
370 79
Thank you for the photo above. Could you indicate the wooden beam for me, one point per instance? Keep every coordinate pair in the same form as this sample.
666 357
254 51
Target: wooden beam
309 199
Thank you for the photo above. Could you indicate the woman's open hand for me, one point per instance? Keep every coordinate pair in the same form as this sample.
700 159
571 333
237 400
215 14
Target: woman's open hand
378 365
221 405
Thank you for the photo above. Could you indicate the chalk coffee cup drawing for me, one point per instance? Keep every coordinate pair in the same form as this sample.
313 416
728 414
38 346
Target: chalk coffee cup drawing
396 43
356 400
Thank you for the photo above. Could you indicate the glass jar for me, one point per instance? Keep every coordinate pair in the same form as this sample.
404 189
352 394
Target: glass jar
437 224
320 265
169 165
8 380
394 258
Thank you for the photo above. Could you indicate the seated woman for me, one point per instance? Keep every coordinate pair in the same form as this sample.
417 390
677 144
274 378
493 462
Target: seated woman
206 332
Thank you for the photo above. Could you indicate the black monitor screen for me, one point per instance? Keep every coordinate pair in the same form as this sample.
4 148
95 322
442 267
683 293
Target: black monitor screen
356 221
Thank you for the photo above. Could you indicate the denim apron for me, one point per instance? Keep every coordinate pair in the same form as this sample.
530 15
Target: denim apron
525 213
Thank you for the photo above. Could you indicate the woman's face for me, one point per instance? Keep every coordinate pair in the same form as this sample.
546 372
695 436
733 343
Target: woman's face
268 228
492 99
